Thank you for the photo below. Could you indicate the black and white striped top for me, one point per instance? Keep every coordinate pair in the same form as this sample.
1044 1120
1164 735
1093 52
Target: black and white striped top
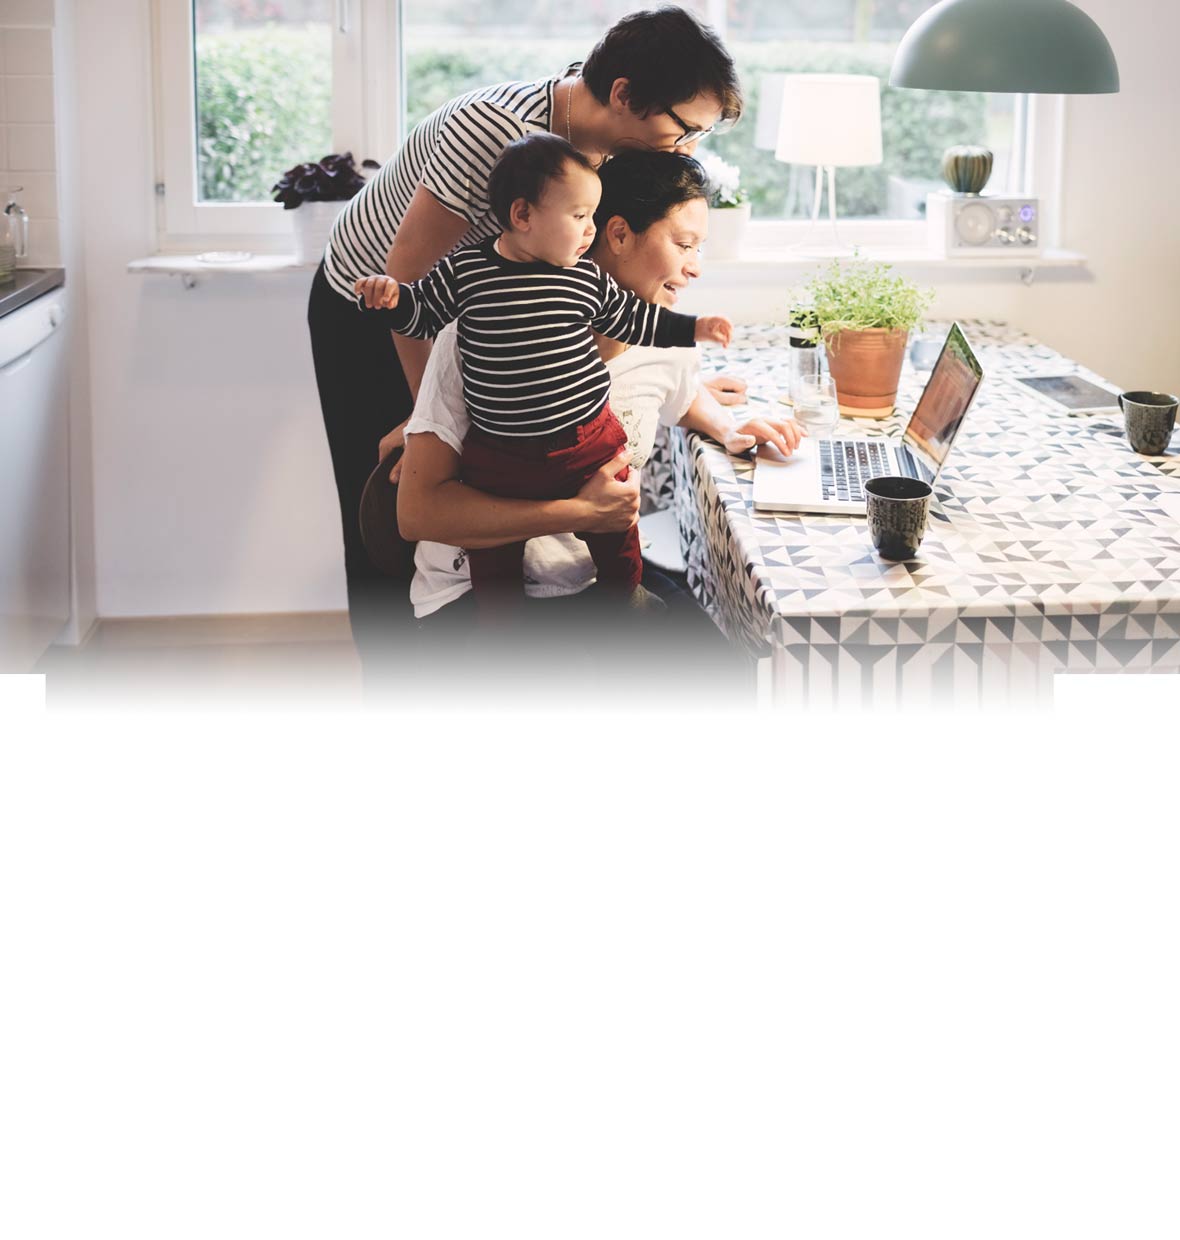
530 365
451 153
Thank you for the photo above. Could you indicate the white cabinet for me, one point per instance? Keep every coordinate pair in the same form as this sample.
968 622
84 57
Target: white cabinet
34 481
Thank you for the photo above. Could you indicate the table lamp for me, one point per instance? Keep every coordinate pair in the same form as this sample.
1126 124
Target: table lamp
1020 47
831 120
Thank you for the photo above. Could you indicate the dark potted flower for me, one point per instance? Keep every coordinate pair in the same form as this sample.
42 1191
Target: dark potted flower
317 190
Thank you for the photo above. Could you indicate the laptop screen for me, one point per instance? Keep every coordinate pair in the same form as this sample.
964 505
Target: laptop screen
946 398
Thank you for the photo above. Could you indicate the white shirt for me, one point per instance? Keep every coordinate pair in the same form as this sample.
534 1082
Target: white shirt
648 387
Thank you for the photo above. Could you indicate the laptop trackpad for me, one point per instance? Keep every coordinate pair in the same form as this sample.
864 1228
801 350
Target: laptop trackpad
768 454
782 479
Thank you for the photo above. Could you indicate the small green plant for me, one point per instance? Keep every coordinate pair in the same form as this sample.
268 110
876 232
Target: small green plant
861 295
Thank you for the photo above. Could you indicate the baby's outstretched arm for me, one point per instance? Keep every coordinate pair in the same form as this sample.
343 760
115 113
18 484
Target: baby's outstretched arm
714 327
421 309
625 317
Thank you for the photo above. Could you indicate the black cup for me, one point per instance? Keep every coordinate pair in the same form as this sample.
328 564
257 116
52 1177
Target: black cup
1150 418
897 511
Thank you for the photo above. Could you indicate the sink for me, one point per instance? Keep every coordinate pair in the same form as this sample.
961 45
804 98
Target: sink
30 282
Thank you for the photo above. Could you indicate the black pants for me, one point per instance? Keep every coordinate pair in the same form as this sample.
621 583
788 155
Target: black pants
363 395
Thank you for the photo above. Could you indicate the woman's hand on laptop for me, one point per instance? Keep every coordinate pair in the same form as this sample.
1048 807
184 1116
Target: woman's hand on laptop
785 433
611 506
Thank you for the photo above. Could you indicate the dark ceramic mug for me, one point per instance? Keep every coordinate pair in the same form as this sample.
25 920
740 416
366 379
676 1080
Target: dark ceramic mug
897 511
1150 418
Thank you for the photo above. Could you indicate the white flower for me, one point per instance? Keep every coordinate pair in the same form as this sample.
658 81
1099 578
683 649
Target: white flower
724 180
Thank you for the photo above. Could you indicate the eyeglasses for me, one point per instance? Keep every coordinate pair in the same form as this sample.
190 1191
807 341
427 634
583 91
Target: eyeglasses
689 134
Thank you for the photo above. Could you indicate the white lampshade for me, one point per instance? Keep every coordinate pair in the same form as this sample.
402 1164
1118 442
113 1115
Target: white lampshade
830 119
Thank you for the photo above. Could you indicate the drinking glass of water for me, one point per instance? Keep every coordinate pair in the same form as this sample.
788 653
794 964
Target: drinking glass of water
816 407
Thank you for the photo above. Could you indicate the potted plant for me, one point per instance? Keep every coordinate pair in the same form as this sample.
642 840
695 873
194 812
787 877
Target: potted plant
865 316
729 207
317 190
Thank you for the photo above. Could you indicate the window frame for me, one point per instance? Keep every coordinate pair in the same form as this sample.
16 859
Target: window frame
366 117
1038 152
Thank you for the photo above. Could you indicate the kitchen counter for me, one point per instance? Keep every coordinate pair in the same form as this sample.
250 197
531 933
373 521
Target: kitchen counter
31 282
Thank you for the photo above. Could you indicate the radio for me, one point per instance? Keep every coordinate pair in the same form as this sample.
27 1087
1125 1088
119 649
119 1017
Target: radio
970 225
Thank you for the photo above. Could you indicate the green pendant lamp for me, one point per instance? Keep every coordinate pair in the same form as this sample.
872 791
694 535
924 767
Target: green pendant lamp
1018 47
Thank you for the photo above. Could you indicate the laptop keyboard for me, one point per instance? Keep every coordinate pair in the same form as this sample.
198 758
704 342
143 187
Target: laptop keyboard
847 464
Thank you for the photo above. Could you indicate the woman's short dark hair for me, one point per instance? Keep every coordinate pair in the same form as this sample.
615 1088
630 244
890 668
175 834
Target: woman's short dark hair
525 167
668 56
643 186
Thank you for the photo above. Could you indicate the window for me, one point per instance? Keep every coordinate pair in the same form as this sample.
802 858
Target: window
455 45
768 38
450 46
263 76
250 87
247 88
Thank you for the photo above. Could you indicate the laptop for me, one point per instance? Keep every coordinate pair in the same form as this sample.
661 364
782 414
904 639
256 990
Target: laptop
828 475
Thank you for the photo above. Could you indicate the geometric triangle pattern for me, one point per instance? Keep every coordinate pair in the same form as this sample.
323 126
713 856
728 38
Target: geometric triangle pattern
1047 532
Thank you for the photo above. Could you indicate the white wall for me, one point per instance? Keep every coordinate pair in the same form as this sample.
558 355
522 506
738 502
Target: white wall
213 489
213 485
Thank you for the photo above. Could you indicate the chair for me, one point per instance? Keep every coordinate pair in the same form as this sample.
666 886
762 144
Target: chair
389 552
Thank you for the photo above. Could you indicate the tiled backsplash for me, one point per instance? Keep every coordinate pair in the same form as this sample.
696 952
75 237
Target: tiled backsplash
27 133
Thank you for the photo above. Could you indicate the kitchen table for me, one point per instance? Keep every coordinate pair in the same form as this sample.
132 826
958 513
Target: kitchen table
1051 547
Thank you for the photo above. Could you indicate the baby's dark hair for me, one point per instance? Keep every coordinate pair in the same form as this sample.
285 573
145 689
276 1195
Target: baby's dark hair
643 186
667 55
525 167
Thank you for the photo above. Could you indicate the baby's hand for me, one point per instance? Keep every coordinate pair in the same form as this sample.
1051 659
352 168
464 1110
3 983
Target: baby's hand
376 292
715 327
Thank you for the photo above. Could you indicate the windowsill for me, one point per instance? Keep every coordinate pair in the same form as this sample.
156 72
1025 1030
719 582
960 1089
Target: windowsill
910 256
751 260
194 265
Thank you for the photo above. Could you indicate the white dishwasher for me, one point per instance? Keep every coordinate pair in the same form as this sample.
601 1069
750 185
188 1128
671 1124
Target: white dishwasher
34 480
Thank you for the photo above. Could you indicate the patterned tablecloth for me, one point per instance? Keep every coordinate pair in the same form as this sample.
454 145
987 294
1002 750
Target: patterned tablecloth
1052 546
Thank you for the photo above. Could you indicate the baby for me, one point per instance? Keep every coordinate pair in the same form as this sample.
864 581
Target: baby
534 385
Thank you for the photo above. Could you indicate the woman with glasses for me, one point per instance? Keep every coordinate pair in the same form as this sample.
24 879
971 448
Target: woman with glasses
658 80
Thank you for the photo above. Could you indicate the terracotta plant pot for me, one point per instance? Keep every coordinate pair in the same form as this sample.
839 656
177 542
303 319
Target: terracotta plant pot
866 366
